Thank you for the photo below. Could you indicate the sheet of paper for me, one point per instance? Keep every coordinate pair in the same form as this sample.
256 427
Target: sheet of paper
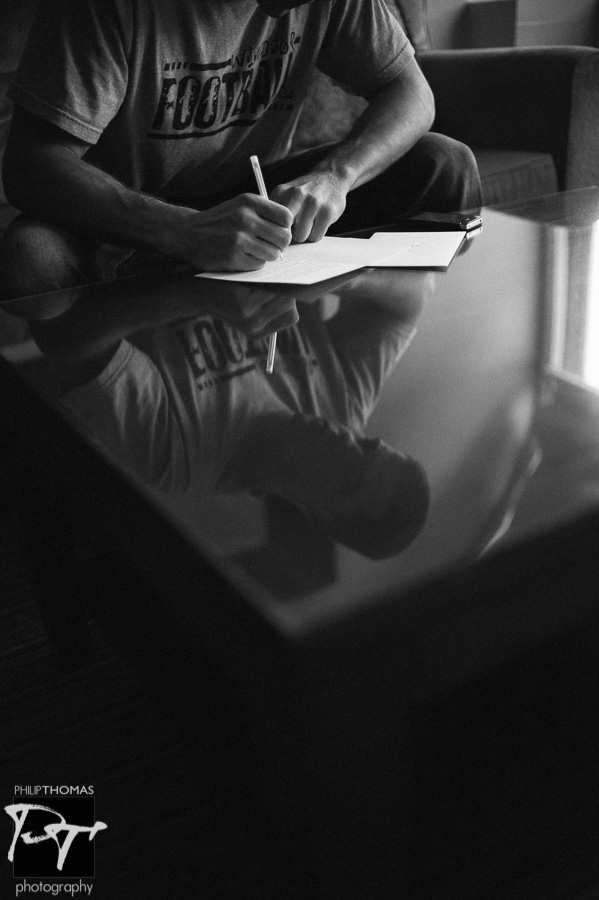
312 262
418 249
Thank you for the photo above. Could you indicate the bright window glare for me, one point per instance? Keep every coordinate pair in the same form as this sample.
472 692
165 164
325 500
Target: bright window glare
591 350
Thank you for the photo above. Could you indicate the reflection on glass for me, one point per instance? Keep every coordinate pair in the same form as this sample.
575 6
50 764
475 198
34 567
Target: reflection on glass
591 350
267 471
177 391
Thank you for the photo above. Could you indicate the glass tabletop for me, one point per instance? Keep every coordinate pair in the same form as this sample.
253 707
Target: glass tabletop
415 421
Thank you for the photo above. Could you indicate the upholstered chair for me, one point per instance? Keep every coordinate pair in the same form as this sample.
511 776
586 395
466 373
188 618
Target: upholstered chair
531 115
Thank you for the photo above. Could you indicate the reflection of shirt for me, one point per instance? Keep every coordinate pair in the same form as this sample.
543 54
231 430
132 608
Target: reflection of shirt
174 95
174 402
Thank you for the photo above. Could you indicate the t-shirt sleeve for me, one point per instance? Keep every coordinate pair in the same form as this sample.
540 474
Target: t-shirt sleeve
365 46
369 342
73 71
127 411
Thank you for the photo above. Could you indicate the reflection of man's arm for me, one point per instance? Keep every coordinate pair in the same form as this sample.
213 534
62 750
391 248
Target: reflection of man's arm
83 340
375 322
380 300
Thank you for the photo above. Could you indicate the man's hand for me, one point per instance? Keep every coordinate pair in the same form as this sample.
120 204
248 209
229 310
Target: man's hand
395 119
315 200
256 310
238 235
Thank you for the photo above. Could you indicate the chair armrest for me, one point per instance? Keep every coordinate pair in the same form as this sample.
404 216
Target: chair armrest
544 99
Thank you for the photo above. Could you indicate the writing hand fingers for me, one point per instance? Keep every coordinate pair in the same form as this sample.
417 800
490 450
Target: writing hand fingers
261 315
302 206
276 321
239 235
314 206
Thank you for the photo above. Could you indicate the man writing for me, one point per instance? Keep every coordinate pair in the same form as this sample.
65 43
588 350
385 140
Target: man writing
135 119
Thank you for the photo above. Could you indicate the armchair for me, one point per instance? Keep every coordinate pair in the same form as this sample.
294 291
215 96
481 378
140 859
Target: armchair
531 115
521 110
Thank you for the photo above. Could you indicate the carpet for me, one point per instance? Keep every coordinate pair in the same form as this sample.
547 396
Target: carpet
171 830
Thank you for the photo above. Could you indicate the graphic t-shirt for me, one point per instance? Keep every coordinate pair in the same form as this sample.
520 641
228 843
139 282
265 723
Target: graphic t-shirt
175 402
174 95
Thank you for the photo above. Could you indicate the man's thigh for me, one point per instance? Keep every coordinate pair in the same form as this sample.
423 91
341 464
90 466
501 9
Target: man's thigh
438 174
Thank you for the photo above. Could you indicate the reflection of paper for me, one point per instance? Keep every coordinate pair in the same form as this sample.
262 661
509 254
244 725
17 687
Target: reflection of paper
311 262
419 250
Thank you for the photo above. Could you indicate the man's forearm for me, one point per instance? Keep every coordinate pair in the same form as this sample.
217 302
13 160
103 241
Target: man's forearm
54 184
396 118
47 176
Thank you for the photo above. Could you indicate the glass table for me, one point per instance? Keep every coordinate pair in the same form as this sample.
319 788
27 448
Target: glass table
317 598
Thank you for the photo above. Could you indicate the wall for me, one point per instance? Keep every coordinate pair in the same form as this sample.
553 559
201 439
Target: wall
447 23
468 23
542 22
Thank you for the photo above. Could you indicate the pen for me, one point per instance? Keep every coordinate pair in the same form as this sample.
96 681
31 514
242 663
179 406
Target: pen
272 341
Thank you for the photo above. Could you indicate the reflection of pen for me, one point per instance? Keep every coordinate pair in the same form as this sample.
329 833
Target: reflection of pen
272 341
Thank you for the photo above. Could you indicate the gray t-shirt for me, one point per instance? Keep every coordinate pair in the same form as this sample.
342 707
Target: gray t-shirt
174 95
176 401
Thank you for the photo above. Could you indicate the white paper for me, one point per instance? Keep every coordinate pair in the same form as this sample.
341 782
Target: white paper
419 249
312 262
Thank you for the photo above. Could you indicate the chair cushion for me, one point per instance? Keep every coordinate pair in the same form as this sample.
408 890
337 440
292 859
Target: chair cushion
511 175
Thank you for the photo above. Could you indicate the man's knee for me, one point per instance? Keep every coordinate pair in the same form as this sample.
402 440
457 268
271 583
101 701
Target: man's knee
438 174
37 257
453 174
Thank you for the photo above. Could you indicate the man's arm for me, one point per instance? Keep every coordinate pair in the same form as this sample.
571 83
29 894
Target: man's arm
395 119
46 176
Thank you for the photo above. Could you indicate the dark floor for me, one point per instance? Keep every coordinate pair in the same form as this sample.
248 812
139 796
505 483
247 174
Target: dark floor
173 831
